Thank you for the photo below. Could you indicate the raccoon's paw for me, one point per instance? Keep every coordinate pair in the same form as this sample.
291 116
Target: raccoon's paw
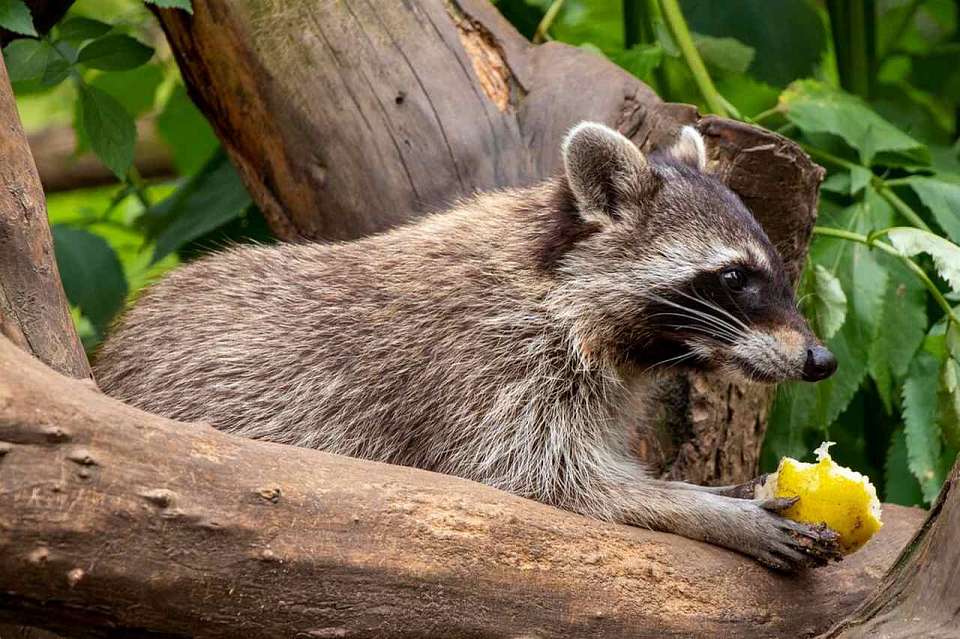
790 546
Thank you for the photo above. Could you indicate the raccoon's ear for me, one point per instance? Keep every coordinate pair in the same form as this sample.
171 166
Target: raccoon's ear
604 169
689 148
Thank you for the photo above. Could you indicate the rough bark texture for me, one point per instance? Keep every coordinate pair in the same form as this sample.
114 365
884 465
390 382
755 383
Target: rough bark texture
61 170
920 595
346 118
33 309
116 523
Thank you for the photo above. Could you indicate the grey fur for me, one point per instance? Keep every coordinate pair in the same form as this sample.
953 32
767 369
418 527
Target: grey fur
506 341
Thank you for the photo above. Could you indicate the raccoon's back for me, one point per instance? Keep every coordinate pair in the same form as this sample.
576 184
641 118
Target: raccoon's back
348 348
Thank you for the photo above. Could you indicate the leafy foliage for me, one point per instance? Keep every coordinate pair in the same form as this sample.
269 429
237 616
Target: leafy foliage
15 16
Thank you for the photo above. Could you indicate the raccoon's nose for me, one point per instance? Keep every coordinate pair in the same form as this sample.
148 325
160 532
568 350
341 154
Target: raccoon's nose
820 364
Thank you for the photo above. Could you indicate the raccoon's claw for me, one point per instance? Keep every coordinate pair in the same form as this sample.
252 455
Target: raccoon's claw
778 505
793 546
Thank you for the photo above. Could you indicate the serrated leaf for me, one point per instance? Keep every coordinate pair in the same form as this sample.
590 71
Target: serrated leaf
829 302
108 128
900 331
114 53
900 486
921 428
186 5
726 54
80 29
15 16
945 254
210 199
814 107
91 273
186 132
943 200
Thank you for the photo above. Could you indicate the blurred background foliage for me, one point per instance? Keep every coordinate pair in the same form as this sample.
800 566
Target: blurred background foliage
870 88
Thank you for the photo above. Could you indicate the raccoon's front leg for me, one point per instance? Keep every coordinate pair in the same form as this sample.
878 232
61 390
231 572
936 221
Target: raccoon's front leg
750 526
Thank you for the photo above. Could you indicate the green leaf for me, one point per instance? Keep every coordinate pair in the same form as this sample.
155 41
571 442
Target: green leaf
109 129
114 53
900 331
640 60
135 90
946 255
79 29
15 16
725 54
817 108
900 486
27 59
920 419
210 199
792 417
943 200
92 276
829 302
186 131
186 5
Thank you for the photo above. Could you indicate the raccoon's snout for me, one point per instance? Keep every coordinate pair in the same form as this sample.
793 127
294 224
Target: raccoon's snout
820 364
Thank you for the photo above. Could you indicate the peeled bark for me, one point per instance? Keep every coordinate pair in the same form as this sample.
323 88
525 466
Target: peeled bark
345 118
116 523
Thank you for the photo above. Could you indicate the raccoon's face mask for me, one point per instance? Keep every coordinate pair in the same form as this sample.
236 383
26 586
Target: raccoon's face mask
687 274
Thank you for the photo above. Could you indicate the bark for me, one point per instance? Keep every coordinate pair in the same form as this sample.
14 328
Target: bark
345 118
33 309
919 596
116 523
61 170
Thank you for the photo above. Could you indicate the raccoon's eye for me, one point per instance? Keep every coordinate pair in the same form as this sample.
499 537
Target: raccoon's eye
734 278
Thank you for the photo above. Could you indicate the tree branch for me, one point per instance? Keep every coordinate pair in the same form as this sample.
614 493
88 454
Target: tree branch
115 523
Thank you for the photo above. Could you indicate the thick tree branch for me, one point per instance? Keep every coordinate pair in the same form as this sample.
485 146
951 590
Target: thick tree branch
117 523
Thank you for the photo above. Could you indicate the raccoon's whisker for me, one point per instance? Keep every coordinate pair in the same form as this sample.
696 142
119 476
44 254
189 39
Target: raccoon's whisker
672 361
705 331
711 305
712 329
719 322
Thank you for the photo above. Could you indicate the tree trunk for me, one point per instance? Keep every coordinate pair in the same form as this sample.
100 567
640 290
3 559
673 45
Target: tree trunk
346 118
116 523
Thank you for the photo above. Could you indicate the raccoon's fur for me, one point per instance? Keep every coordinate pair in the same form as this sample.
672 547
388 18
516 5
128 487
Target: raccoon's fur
506 341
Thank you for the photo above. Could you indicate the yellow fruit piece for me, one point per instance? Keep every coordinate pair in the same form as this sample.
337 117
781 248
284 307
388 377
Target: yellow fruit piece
830 494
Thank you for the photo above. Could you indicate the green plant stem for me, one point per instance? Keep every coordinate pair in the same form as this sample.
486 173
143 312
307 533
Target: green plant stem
139 187
769 113
901 27
541 34
681 33
830 158
886 248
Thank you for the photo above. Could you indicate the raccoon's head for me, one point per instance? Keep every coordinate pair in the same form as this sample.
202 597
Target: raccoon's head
675 271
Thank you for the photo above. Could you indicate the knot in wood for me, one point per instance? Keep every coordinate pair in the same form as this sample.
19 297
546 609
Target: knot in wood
82 456
271 494
160 497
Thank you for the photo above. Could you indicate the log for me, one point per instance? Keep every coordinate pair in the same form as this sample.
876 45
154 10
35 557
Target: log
117 523
346 118
61 170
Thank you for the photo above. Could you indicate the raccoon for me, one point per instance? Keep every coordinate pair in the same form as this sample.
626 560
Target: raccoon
507 341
